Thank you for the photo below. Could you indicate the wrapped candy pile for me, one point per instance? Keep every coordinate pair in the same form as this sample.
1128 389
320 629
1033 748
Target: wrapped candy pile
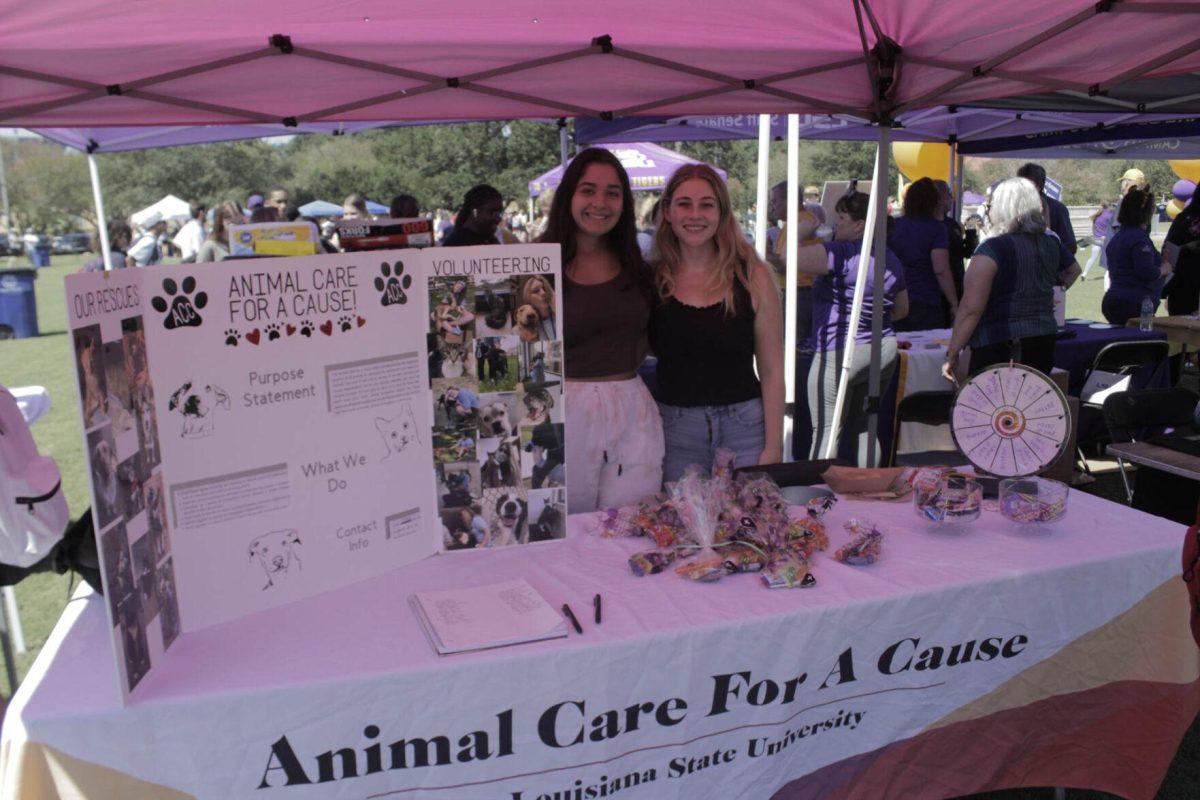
716 526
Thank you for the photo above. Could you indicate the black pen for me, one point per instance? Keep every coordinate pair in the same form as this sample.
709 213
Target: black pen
571 616
596 603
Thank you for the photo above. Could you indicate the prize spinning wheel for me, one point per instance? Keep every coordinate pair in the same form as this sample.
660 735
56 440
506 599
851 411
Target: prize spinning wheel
1011 421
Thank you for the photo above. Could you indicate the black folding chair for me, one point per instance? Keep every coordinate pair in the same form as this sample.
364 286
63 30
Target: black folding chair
928 408
1120 358
1139 414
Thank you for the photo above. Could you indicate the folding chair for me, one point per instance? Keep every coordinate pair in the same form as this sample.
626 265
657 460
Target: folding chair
927 408
1138 414
1114 370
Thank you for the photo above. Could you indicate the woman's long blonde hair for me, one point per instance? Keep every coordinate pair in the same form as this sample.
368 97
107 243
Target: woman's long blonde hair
735 255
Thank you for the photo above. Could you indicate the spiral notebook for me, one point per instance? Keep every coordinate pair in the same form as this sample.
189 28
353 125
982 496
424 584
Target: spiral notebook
483 617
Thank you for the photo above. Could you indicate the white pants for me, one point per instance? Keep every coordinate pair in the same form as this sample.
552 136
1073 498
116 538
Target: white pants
614 444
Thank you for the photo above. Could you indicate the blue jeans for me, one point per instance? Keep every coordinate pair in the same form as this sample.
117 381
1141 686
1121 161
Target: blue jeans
693 434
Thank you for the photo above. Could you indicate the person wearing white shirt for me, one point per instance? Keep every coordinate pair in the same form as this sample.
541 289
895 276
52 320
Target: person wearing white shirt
190 238
145 251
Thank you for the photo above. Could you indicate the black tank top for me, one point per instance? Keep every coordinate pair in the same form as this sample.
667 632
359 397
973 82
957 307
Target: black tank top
705 358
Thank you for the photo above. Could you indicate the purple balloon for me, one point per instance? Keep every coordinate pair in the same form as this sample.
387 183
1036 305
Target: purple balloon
1183 189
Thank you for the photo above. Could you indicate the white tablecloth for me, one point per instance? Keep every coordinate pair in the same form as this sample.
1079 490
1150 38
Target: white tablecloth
736 691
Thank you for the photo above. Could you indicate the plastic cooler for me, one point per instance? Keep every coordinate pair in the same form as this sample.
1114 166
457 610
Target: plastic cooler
18 303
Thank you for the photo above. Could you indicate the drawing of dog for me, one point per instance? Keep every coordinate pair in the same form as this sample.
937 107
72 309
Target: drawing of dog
527 322
277 553
494 421
510 523
500 468
399 432
197 407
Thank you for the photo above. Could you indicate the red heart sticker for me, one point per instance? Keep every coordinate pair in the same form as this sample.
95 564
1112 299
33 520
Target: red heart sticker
291 329
327 327
362 321
253 336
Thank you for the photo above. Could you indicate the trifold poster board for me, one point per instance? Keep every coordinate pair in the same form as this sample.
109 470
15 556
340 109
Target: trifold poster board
261 431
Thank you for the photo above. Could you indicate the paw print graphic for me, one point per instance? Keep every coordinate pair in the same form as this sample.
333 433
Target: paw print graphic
392 284
231 337
306 328
273 332
345 323
182 310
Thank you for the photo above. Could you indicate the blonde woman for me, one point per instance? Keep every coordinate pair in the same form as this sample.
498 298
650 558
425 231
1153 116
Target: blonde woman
537 291
718 316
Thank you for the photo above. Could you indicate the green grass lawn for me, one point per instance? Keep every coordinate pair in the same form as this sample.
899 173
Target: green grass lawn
46 361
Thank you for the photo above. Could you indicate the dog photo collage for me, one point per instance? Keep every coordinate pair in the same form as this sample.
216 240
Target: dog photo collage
495 366
127 491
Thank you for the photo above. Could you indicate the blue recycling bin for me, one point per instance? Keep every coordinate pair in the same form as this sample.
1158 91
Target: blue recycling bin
39 255
18 303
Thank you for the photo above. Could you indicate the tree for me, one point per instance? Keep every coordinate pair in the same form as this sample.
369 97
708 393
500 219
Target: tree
48 187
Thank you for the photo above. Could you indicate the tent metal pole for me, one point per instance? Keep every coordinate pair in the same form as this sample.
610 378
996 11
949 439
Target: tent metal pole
564 143
764 175
791 274
958 186
101 220
4 210
875 382
860 286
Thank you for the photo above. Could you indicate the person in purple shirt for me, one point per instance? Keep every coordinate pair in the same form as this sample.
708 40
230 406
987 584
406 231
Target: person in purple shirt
1136 269
921 243
1101 220
835 265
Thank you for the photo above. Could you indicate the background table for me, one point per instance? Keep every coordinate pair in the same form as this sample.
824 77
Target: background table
1102 681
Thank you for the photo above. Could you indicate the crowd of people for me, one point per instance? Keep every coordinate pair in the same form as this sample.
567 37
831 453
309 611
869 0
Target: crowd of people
678 277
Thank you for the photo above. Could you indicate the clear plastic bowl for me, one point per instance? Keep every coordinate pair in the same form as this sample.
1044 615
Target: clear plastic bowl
948 499
1033 500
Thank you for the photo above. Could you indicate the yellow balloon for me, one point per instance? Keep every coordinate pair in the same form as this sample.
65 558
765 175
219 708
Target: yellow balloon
1188 169
923 160
1174 207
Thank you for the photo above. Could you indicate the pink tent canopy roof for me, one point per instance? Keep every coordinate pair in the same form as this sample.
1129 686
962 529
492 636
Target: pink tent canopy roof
98 62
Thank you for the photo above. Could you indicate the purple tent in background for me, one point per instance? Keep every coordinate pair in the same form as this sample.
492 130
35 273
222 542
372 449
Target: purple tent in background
649 167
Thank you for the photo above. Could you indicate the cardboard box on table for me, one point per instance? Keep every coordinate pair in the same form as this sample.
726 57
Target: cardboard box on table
261 431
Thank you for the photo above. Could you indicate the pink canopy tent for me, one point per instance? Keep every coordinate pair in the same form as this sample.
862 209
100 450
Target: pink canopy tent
75 63
70 63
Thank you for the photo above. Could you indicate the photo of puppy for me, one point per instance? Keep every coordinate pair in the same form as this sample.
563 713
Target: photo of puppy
147 424
119 396
457 483
494 420
134 339
277 553
545 455
197 405
118 569
494 304
168 603
548 515
156 517
90 366
509 520
541 405
102 456
399 431
144 577
133 639
499 464
129 484
526 323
